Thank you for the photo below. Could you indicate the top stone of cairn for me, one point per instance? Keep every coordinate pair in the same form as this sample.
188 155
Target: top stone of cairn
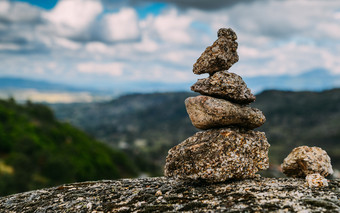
219 56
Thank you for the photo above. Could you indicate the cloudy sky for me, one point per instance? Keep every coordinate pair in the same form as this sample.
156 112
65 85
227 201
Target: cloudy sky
101 43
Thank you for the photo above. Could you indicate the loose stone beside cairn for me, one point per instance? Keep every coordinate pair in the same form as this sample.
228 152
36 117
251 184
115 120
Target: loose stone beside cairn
228 148
311 163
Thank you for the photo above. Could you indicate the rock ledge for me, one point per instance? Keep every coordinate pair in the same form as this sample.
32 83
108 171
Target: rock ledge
167 195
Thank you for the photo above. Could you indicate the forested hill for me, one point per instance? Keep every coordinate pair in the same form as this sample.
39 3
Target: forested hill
38 151
301 118
143 125
147 125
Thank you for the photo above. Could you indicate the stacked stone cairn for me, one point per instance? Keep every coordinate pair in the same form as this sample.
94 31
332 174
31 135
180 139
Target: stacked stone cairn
228 147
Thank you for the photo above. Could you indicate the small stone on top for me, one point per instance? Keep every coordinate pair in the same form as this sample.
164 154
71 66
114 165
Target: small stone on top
219 56
227 33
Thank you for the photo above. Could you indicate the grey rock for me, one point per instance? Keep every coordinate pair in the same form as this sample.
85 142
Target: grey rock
226 85
140 195
207 112
217 155
304 160
219 56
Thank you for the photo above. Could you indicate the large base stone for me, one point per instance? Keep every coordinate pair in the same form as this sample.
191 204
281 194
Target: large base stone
216 155
206 112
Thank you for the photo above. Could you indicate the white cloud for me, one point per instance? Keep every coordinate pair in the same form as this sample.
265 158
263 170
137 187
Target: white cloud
214 19
99 48
11 47
86 21
331 60
74 18
147 45
248 52
66 43
162 74
329 30
18 12
282 19
280 37
121 26
171 26
4 8
336 15
112 69
18 21
290 58
52 65
185 58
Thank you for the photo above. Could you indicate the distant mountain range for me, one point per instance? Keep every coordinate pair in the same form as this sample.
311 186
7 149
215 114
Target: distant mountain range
22 83
313 80
43 91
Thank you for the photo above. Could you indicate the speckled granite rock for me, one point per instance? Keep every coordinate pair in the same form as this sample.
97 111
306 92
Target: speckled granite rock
220 56
167 195
226 85
316 180
218 154
207 112
306 160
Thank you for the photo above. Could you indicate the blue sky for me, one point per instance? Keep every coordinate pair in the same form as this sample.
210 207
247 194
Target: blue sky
102 43
45 4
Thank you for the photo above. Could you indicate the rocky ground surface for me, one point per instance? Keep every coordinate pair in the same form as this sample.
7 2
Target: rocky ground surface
167 195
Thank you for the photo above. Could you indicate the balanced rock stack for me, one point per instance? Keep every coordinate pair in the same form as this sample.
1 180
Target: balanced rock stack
228 147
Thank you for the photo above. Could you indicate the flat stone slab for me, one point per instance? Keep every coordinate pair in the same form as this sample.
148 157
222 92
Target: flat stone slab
162 194
219 56
207 112
216 155
225 85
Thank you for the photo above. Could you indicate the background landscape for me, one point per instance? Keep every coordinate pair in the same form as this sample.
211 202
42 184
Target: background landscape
95 89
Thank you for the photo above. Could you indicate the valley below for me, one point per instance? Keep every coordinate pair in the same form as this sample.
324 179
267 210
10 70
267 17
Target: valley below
146 126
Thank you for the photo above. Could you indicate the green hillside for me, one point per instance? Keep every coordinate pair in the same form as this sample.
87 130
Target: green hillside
301 118
37 151
147 126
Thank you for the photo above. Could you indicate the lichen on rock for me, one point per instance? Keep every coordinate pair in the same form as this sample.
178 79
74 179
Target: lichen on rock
217 155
